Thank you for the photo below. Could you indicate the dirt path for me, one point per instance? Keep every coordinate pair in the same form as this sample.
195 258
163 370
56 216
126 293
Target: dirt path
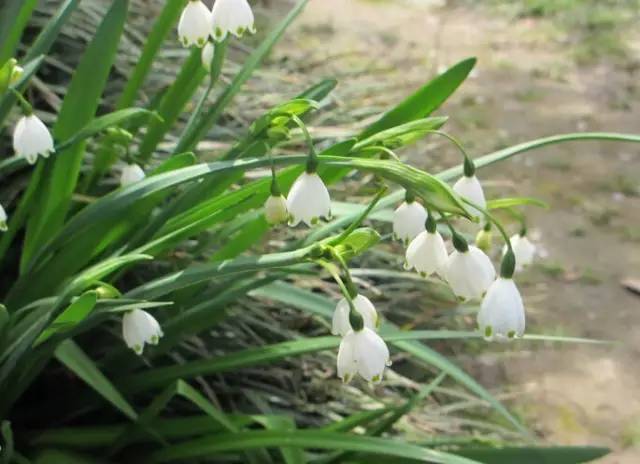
525 86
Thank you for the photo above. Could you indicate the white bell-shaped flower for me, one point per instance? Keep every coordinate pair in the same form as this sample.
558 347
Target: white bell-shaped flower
408 221
131 174
140 327
32 138
523 249
207 55
275 209
362 352
341 325
195 23
308 200
232 17
471 189
3 219
469 271
427 254
501 315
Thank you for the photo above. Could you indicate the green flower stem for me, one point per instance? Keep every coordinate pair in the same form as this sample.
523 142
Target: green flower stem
347 289
469 166
27 109
491 218
312 160
355 224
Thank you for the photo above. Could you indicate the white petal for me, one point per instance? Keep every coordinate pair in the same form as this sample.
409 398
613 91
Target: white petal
32 138
342 326
131 174
471 273
372 355
140 327
308 200
194 27
347 363
470 188
408 221
523 250
502 315
207 55
427 254
275 209
232 17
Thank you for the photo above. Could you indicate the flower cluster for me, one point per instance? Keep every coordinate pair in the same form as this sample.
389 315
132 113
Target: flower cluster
198 24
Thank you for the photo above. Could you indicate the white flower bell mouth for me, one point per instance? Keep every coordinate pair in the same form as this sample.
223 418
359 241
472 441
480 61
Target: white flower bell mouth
308 200
275 209
3 220
232 17
362 352
523 249
140 327
469 272
194 27
31 139
207 55
341 325
427 253
501 315
470 189
131 174
408 220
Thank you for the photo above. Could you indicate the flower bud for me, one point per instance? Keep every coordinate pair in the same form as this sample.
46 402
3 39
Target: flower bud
408 221
275 210
131 174
484 239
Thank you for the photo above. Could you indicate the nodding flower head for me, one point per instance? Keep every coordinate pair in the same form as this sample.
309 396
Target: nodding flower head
427 254
308 200
469 272
232 17
275 209
131 173
140 327
502 315
470 189
341 325
31 139
194 27
408 221
523 250
362 352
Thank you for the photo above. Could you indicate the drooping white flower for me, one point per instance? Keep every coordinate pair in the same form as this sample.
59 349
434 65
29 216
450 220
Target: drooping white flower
131 174
308 200
408 221
363 352
140 327
427 254
16 74
342 326
32 138
471 189
232 17
469 272
275 209
501 315
207 55
523 249
3 219
195 23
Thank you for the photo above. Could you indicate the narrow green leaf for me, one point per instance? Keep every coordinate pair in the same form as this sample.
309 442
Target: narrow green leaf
501 203
49 33
14 16
535 455
72 356
73 315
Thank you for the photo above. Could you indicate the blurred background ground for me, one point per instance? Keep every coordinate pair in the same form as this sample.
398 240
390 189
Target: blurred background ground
543 68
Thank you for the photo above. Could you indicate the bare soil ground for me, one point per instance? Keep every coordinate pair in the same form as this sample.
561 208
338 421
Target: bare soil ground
526 85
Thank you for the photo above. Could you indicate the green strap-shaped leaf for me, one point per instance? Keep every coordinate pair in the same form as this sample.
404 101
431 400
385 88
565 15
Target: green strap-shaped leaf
78 109
14 16
72 356
73 315
50 32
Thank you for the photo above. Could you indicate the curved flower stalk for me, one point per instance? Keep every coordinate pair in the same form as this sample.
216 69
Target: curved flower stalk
232 17
408 220
140 328
523 250
502 315
207 54
31 139
469 188
340 323
275 209
362 352
427 252
3 220
469 270
195 23
131 174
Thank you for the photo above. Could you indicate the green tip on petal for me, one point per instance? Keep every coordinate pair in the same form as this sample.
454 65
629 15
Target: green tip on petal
314 221
375 379
511 334
488 331
3 226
